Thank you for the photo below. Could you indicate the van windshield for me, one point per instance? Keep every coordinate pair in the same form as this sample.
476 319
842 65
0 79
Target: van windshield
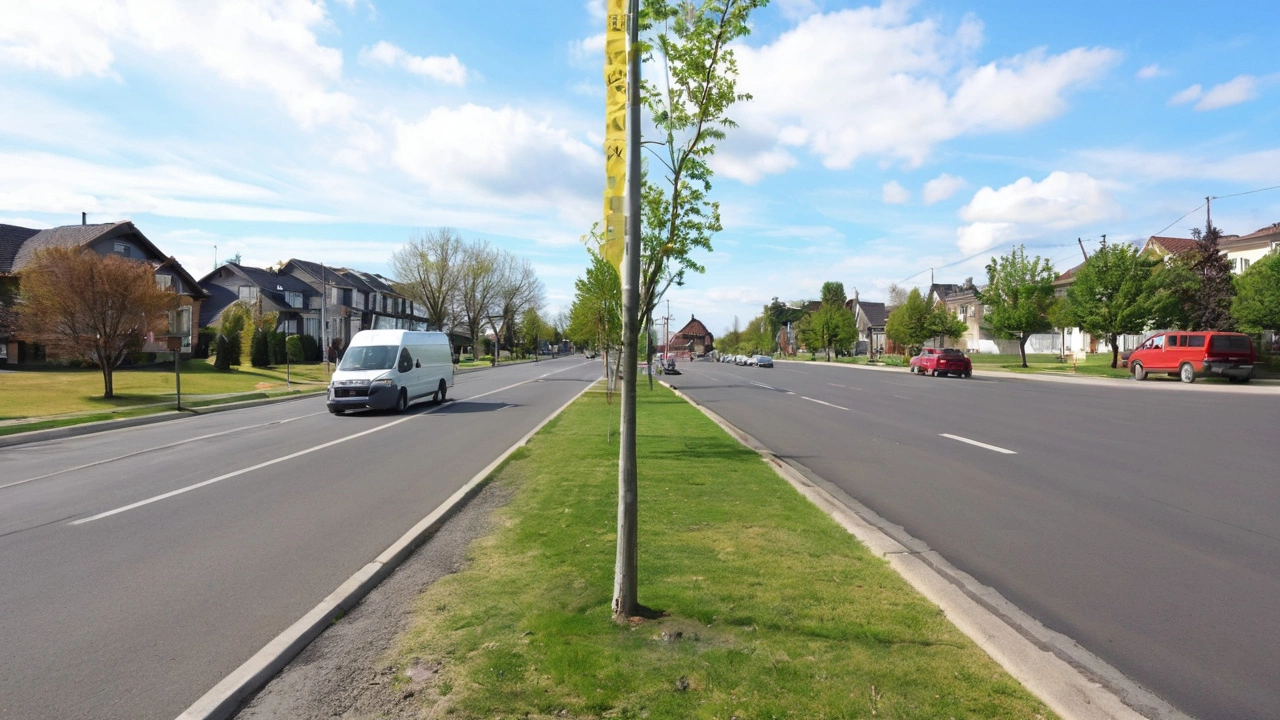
369 357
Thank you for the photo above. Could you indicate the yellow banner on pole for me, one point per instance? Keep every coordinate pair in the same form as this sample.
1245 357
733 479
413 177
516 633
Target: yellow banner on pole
615 132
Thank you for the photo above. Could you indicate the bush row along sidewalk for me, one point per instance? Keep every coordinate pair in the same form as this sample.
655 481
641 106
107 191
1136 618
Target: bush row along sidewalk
762 605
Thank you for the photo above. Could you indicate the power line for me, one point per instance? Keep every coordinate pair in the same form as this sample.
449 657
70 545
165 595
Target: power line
1247 192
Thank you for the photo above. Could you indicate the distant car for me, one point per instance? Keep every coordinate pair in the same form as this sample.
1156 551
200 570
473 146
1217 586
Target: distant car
742 360
764 361
941 361
590 355
1189 355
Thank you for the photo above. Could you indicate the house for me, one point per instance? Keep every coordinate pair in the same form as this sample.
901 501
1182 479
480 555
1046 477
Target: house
693 338
1245 250
19 245
870 318
268 291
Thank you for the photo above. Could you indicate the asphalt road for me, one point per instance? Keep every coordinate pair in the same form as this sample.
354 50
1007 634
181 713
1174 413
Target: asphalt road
139 567
1143 521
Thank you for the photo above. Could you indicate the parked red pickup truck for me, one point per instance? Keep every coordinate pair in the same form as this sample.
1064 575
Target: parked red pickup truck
941 361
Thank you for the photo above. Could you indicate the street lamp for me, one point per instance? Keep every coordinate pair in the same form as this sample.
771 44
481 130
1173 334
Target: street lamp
175 346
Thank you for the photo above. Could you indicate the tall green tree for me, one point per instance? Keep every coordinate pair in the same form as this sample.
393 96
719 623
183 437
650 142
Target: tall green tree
1171 292
914 322
595 318
691 41
1256 307
1211 306
1109 294
1019 297
831 326
833 293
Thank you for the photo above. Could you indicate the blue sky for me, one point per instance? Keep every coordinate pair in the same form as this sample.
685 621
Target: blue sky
883 140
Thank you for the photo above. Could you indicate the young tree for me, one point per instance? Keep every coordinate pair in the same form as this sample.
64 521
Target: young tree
595 318
1108 295
1211 306
533 330
1256 307
518 287
85 306
1019 295
235 319
690 42
427 270
731 338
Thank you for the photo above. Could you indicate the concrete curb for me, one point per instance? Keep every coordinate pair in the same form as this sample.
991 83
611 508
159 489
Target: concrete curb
1073 682
158 417
227 697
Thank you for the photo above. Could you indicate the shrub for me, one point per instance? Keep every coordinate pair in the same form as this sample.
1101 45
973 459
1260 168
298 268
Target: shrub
222 350
294 348
204 343
894 360
310 349
276 347
259 354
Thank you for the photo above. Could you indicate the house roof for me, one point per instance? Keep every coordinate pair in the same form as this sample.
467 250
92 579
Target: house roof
69 236
693 328
1173 245
11 239
1067 277
269 283
1259 237
942 290
874 312
314 270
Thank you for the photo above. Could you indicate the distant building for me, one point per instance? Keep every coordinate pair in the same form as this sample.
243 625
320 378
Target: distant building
693 338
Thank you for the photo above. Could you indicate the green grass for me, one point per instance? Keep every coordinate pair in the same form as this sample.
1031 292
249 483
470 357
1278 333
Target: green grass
1096 364
763 605
57 391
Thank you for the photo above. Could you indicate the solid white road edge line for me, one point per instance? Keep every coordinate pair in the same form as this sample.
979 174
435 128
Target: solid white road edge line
224 699
979 444
300 453
1047 663
159 447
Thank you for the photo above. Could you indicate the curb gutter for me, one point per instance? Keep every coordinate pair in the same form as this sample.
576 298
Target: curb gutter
227 697
1073 682
162 416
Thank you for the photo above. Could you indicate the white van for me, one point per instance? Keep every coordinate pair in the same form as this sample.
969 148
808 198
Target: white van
384 369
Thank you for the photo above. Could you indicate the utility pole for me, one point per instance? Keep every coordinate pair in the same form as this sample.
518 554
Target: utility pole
1082 252
625 591
324 321
1208 217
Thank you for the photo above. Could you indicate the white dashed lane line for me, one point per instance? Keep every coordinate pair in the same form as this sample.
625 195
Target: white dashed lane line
994 448
823 402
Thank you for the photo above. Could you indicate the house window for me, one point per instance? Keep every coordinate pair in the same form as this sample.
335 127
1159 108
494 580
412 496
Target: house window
1275 244
248 293
121 249
357 300
294 299
335 296
1244 264
164 282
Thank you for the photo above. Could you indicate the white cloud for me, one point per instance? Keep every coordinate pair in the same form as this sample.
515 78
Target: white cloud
1255 167
871 81
1233 92
751 169
1062 200
892 193
267 46
587 50
1190 94
483 155
448 70
943 187
1148 71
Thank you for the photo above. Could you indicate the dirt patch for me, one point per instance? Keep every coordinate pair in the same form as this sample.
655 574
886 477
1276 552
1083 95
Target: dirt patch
345 673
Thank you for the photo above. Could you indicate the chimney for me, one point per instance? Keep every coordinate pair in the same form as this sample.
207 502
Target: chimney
84 218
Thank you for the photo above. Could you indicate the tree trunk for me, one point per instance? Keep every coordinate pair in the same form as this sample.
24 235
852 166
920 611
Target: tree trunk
1022 347
108 387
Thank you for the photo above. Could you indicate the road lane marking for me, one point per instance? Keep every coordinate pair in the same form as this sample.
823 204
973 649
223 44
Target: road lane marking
821 402
902 397
790 393
766 387
979 444
159 447
300 453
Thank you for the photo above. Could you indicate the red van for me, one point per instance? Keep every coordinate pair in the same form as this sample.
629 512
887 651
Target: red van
1189 355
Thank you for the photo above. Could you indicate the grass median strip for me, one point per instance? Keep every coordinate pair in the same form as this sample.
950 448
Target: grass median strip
763 606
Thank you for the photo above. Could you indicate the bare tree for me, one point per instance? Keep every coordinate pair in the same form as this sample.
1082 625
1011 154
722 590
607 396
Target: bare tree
518 288
478 277
428 271
897 296
85 306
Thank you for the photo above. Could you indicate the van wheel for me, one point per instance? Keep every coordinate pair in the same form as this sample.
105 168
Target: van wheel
1186 373
1138 372
442 391
402 401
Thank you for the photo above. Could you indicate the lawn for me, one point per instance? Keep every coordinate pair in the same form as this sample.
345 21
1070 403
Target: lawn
760 606
1096 365
56 391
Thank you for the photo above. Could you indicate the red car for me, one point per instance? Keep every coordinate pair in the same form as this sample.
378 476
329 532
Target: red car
941 361
1189 355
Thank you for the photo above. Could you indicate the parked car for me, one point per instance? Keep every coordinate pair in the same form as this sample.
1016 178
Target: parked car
941 361
763 361
1189 355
